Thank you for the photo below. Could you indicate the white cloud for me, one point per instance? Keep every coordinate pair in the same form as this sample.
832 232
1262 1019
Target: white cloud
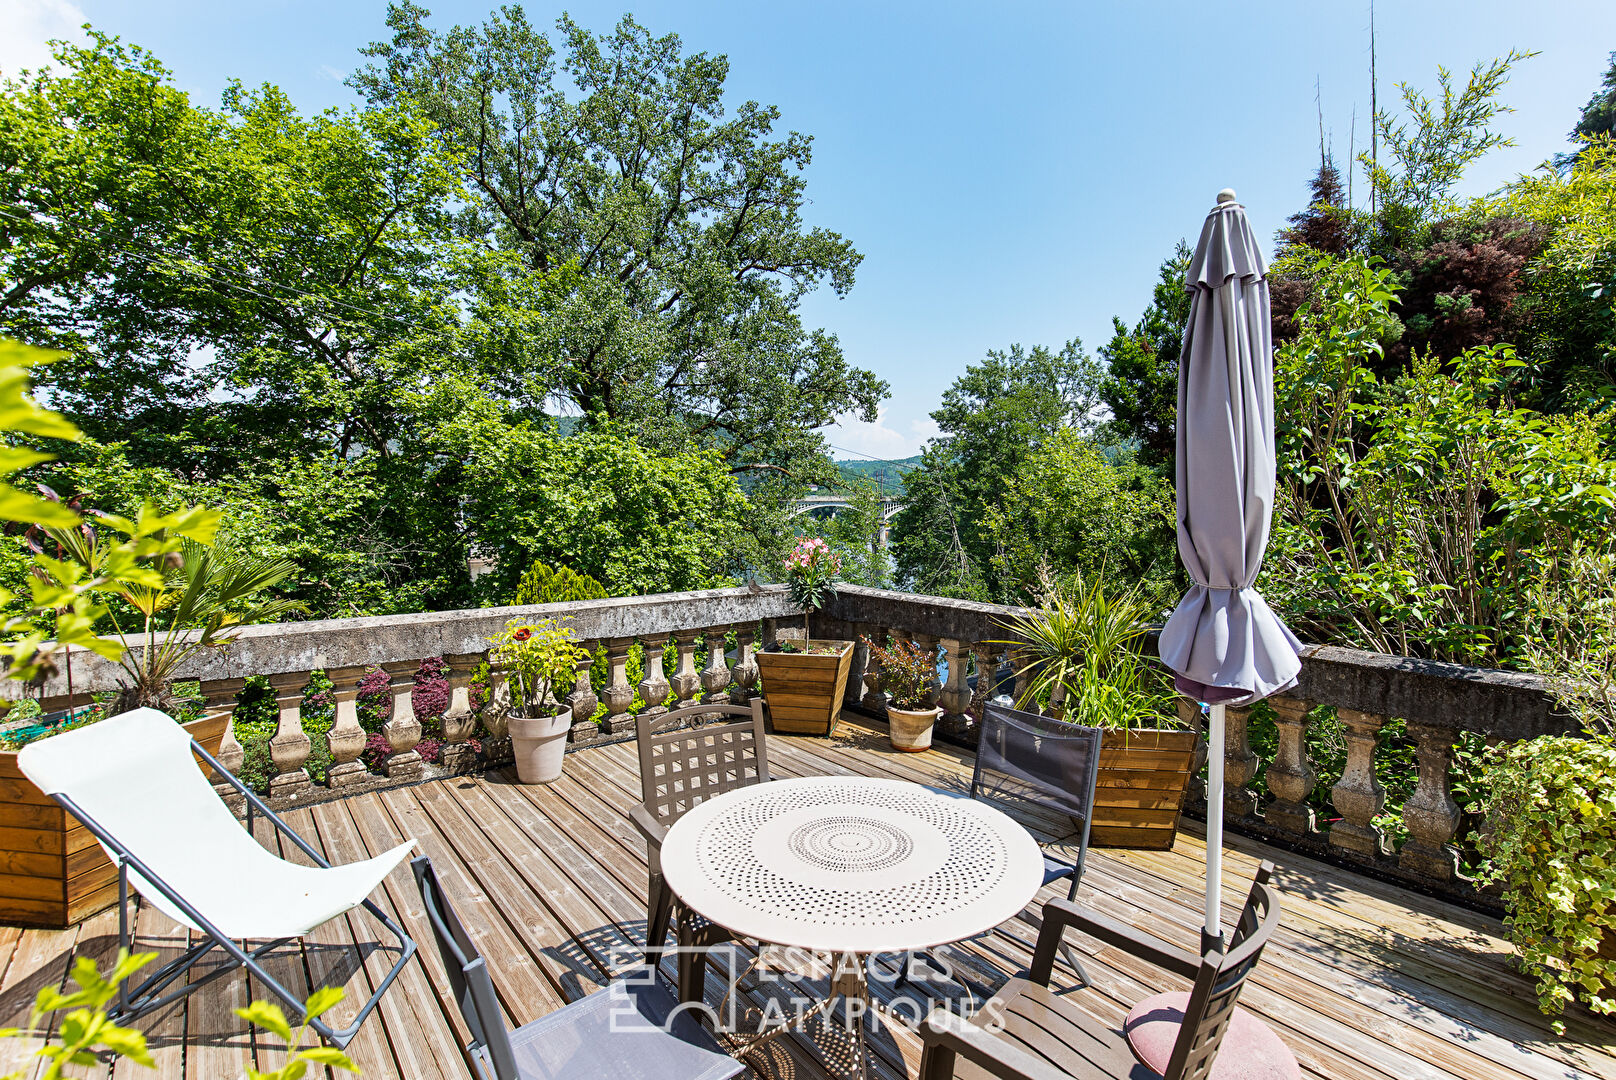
334 74
886 439
26 27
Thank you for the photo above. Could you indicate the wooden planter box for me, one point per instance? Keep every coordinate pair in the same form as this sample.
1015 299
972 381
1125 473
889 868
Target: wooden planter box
804 691
1141 786
53 873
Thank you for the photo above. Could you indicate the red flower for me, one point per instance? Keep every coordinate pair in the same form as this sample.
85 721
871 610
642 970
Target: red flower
522 633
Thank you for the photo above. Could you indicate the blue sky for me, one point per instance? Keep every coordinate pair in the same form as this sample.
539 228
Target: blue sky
1012 172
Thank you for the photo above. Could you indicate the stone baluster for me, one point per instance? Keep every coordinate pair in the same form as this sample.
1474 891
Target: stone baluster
744 675
858 666
1239 764
460 719
771 633
875 695
686 682
496 716
715 676
1290 776
955 696
582 700
1359 796
1189 715
928 644
1056 706
1430 813
987 675
619 691
346 738
1020 663
290 746
654 687
219 697
402 729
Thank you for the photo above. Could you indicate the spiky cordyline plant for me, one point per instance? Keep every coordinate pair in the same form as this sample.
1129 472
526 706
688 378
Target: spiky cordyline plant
1080 651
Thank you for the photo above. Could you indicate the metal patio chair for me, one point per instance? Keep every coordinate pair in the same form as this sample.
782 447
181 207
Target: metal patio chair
632 1029
679 769
133 782
1045 1035
1044 762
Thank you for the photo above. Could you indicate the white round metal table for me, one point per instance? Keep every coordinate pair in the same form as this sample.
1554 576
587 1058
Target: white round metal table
851 865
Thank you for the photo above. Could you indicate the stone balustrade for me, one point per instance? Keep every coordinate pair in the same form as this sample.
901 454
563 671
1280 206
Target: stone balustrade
696 649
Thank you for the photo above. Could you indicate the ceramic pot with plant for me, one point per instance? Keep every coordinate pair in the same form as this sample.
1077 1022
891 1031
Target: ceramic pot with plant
803 684
536 657
1080 658
907 676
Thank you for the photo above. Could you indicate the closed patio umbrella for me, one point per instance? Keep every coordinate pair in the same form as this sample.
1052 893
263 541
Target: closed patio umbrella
1224 644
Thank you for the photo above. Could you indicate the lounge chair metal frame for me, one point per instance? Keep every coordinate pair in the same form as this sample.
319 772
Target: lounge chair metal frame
148 995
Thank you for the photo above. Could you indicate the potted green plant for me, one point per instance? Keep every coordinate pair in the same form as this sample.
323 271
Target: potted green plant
536 657
1080 657
803 685
907 672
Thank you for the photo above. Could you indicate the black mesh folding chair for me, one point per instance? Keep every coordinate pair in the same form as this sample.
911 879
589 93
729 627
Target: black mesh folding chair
1045 762
632 1029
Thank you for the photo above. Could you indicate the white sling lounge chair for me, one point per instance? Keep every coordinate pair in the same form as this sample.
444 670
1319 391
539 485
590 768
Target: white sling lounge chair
133 782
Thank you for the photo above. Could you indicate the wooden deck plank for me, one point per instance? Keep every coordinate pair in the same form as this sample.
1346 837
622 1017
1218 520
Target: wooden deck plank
286 964
333 957
414 1023
1364 980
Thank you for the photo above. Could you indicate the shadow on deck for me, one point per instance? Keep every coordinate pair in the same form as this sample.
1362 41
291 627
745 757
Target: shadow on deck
1363 980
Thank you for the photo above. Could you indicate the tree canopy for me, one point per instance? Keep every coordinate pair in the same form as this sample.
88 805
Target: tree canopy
337 326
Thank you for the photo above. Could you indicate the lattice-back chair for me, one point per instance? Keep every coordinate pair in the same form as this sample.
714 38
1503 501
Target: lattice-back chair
678 770
1176 1036
630 1030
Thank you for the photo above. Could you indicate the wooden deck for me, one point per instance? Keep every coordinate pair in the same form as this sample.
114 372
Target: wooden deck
1363 980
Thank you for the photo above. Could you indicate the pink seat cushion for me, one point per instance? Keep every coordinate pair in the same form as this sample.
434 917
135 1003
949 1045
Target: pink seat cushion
1250 1049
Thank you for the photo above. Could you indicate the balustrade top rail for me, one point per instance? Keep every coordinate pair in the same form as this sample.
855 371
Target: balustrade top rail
1439 701
275 648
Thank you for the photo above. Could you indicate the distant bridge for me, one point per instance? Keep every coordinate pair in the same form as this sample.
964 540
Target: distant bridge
824 506
828 506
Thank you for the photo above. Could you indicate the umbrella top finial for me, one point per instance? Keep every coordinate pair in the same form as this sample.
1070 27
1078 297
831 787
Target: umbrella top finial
1226 196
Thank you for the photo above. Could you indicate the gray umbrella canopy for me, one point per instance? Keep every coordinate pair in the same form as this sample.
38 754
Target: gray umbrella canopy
1223 641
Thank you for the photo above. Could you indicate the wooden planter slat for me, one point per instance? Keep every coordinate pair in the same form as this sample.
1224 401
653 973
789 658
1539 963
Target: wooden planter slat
52 872
1139 794
804 691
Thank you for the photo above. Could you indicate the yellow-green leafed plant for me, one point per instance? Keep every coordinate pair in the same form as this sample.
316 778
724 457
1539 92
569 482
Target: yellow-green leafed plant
1550 838
84 1032
1550 802
84 1035
298 1057
536 657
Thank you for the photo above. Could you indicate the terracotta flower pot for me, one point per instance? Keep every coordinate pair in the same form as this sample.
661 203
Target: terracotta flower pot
539 745
910 730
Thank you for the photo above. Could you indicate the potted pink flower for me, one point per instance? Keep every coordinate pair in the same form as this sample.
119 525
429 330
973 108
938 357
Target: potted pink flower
803 685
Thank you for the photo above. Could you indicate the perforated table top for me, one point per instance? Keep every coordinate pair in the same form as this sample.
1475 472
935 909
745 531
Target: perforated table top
851 864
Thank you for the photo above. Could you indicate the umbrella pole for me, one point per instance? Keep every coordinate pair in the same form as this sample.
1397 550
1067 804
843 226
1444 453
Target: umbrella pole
1212 931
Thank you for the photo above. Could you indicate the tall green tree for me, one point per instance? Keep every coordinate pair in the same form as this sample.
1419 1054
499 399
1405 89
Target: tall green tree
682 227
1598 119
1140 385
996 415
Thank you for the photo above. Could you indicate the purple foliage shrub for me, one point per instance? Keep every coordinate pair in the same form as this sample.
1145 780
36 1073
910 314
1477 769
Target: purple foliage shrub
431 695
375 700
